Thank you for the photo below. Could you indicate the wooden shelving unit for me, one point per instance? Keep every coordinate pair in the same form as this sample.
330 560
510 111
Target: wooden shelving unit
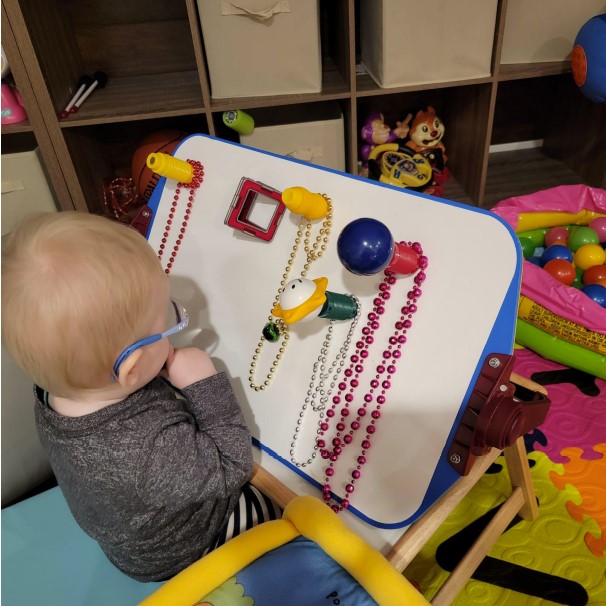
154 54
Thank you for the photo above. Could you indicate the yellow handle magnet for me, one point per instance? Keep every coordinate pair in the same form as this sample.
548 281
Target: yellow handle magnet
303 202
171 168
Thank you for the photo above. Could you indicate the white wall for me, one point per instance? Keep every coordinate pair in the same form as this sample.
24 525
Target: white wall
24 464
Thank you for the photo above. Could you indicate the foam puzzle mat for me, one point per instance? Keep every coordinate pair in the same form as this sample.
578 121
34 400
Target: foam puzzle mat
558 558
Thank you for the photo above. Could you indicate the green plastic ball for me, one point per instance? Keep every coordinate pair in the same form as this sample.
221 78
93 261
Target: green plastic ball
528 247
578 280
581 236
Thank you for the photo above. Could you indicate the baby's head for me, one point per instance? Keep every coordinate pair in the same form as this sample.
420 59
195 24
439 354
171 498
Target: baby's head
76 290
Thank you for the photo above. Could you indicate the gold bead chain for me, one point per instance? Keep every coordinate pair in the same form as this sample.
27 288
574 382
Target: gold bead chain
313 253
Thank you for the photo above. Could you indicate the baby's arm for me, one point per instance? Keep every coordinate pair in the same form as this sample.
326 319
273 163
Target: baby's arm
187 366
189 460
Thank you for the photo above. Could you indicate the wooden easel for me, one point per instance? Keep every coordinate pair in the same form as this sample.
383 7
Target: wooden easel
522 502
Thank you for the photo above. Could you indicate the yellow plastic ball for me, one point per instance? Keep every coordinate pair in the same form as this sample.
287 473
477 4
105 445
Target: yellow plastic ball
589 255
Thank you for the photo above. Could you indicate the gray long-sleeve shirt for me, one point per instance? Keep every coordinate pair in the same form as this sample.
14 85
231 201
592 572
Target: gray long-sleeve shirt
152 478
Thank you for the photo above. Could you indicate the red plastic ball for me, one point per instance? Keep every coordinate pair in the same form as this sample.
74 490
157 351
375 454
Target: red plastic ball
556 235
595 275
561 270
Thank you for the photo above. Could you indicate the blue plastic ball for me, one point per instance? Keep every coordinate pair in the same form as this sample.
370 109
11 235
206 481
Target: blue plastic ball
589 59
557 251
365 247
596 292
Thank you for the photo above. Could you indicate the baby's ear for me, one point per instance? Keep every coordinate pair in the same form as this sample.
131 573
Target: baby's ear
128 375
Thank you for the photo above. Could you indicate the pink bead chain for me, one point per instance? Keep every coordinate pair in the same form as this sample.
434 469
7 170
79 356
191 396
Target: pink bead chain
192 186
379 385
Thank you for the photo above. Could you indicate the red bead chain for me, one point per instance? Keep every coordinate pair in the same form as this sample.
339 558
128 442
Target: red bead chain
192 186
382 381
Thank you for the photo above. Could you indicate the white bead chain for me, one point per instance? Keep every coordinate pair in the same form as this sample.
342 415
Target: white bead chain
317 394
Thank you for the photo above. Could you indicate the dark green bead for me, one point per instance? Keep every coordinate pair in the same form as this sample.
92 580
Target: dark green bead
271 332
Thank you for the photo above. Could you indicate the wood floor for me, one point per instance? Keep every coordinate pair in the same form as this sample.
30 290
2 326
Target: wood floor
524 172
516 173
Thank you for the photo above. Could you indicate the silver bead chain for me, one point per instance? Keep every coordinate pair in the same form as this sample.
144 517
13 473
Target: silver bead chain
317 394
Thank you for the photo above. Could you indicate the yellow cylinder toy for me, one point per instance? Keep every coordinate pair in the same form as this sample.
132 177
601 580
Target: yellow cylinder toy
303 202
172 168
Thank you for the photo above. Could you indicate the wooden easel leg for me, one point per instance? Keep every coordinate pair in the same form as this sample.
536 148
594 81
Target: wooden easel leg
478 551
271 486
415 537
519 474
521 502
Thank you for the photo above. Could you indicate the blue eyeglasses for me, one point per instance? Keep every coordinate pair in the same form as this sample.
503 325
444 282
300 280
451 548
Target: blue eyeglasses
182 321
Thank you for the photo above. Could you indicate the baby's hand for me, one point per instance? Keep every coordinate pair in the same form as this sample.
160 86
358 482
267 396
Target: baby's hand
187 365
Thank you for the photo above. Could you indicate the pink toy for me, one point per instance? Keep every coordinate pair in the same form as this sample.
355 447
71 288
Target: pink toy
12 106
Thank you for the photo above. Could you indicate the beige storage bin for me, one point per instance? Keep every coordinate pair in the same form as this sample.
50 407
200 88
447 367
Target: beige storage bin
405 42
262 47
544 30
25 188
320 141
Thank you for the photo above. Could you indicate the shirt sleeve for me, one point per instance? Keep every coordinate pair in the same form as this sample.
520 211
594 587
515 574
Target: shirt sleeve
190 457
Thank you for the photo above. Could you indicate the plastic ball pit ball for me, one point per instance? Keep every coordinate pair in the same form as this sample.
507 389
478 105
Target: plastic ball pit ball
557 251
599 226
556 235
581 236
589 255
528 247
595 275
578 280
596 292
563 271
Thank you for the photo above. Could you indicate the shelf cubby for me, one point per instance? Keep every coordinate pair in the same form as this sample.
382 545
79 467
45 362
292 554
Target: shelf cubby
156 60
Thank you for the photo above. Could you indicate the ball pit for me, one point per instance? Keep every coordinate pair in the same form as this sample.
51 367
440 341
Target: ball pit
562 232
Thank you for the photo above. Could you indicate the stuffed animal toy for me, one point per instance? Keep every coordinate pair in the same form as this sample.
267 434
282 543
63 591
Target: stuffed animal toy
425 137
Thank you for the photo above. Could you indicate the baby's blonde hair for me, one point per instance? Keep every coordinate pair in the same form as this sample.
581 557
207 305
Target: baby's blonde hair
76 290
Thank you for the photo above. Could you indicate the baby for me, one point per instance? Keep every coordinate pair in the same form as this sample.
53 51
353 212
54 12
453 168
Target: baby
147 442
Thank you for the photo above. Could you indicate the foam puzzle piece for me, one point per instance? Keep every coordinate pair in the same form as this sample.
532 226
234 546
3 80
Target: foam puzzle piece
574 419
533 551
588 477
